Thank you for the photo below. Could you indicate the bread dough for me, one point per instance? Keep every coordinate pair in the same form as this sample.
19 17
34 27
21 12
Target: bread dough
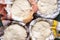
47 7
40 30
21 10
15 32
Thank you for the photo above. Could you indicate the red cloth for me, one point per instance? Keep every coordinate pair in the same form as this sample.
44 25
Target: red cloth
34 5
3 11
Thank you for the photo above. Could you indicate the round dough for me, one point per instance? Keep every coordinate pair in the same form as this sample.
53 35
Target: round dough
15 32
47 7
40 30
21 10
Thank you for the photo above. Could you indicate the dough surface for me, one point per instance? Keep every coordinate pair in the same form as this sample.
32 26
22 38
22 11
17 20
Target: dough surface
41 30
47 7
15 32
21 10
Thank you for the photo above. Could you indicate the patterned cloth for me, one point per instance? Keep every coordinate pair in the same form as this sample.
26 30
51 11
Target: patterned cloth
58 17
6 1
59 4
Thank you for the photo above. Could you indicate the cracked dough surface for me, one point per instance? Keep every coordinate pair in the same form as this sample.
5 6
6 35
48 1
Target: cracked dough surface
21 9
15 32
41 30
47 7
